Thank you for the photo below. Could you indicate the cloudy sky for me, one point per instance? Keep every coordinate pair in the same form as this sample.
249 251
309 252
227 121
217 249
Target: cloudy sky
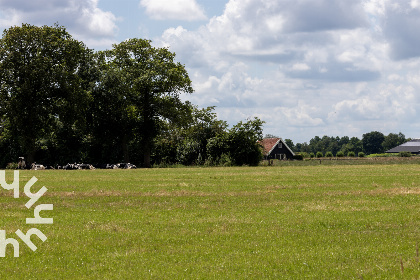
305 67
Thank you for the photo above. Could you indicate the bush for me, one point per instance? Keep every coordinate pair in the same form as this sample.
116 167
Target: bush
298 157
225 160
12 165
340 154
304 154
311 155
319 154
351 154
404 154
361 154
329 154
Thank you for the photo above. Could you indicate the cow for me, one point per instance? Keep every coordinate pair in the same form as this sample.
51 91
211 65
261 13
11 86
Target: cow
21 163
36 166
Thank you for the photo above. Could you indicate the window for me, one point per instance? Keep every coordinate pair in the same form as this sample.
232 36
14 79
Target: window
280 145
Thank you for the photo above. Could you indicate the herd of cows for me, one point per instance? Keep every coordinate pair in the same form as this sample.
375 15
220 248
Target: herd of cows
77 166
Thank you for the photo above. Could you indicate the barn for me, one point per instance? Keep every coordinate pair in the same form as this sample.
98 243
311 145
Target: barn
412 146
276 148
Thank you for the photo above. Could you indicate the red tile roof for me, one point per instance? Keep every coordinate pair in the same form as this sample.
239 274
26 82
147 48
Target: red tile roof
268 144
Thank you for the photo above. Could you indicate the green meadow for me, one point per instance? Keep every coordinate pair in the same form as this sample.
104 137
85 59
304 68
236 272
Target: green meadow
314 221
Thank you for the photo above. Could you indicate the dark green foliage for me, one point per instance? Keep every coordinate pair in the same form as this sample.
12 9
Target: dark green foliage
393 140
404 154
351 154
147 83
298 157
340 154
44 83
361 154
332 144
319 154
242 140
329 154
240 143
372 142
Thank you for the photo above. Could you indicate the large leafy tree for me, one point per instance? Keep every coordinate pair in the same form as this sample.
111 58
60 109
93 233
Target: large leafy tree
151 81
42 83
393 140
372 142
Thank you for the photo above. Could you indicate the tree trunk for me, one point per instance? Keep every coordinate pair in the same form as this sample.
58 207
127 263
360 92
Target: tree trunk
30 159
148 129
147 153
125 149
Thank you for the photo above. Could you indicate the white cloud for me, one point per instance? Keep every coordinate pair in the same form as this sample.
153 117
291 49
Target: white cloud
175 9
305 67
300 67
83 19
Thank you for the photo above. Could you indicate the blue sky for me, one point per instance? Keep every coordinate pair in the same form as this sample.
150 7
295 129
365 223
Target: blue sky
307 68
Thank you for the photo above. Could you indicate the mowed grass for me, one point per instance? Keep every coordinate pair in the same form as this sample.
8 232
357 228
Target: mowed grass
284 222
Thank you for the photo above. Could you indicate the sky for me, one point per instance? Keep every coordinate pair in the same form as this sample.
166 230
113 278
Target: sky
307 68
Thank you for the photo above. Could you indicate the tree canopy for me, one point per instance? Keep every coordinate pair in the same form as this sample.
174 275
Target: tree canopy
43 73
61 102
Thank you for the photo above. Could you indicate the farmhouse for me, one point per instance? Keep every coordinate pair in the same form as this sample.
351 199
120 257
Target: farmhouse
276 148
412 146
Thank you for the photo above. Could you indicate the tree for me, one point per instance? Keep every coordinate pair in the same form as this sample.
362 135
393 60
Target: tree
240 143
202 126
42 71
290 144
243 142
393 140
372 142
151 81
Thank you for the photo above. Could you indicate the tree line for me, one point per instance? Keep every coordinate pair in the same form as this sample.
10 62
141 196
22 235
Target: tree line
371 143
62 102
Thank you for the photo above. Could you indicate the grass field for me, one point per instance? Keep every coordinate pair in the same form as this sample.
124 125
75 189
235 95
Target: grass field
320 221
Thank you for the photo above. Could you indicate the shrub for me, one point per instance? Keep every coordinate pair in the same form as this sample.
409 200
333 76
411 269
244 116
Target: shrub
12 165
311 155
319 154
351 154
361 154
304 154
298 157
329 154
340 154
404 154
225 160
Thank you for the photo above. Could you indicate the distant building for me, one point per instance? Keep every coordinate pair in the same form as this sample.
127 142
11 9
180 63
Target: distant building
276 148
412 146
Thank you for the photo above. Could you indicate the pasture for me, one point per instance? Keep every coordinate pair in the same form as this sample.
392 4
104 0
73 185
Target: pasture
324 221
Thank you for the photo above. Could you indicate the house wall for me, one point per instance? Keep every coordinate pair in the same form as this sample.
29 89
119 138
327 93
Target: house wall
280 153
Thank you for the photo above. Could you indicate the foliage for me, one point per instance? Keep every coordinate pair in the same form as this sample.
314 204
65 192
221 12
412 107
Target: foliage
372 142
361 154
340 154
351 154
404 154
151 82
44 83
12 165
382 155
393 140
319 154
243 143
329 154
332 144
298 157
